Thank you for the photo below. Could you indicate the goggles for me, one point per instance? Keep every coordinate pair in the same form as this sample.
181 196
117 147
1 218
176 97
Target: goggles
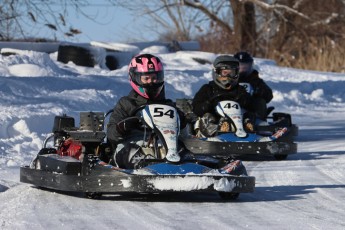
228 73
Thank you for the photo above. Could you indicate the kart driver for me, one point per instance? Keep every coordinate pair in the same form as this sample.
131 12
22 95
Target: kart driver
261 92
146 78
223 87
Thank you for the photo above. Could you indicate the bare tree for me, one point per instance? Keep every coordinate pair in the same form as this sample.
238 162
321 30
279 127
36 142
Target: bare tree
23 19
245 25
294 31
286 30
290 31
167 19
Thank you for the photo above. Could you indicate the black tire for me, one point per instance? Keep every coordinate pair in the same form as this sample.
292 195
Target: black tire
78 55
229 195
280 157
93 195
111 62
6 54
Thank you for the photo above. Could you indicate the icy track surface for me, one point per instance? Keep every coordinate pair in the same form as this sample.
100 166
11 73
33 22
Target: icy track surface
306 191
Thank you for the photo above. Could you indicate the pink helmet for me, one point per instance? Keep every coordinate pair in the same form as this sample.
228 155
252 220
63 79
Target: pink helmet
142 65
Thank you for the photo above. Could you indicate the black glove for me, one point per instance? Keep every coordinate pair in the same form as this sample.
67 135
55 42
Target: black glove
208 126
127 125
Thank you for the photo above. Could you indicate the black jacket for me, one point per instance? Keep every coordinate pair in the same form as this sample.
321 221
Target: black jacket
261 89
125 108
203 101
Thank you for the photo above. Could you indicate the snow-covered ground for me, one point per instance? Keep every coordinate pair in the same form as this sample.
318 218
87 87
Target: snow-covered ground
306 191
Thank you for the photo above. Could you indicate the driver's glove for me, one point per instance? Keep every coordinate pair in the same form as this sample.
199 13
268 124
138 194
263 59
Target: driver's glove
128 124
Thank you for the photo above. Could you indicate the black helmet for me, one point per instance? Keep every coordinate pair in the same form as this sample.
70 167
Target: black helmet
246 63
244 57
225 62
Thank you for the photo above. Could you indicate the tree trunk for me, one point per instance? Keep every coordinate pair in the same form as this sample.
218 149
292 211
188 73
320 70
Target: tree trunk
244 25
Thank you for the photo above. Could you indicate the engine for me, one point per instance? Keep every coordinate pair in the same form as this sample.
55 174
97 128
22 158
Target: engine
76 142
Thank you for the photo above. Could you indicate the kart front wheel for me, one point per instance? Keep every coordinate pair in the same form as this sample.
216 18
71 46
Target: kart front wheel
229 195
93 195
280 157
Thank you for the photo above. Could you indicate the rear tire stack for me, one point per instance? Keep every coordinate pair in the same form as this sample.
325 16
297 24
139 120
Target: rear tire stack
83 56
78 55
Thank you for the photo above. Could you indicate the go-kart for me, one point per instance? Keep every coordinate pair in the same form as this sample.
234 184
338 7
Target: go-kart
271 140
79 161
275 121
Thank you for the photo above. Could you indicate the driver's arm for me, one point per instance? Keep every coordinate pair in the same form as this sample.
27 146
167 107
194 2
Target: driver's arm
245 99
261 89
121 112
200 103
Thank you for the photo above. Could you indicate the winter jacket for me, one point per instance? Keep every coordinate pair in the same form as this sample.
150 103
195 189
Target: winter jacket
125 108
260 88
203 102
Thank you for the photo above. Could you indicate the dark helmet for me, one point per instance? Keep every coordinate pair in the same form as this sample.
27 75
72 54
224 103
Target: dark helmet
244 57
229 63
246 63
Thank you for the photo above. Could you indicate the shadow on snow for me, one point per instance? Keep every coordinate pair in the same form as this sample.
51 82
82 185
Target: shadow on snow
261 194
288 192
3 188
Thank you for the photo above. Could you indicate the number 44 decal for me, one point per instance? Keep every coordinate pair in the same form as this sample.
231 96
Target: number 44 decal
229 106
159 112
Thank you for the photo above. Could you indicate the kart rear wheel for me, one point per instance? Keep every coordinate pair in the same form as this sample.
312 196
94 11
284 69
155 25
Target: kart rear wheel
93 195
229 195
280 157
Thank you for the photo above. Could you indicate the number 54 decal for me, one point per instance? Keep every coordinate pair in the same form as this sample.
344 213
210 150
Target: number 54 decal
159 112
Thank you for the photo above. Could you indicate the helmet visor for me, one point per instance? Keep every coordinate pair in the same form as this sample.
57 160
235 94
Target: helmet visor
245 67
149 78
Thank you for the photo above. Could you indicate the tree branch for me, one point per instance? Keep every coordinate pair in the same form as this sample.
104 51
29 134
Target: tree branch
211 15
273 7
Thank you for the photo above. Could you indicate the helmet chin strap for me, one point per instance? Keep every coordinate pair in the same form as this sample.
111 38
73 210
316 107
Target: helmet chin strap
152 94
153 90
226 84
